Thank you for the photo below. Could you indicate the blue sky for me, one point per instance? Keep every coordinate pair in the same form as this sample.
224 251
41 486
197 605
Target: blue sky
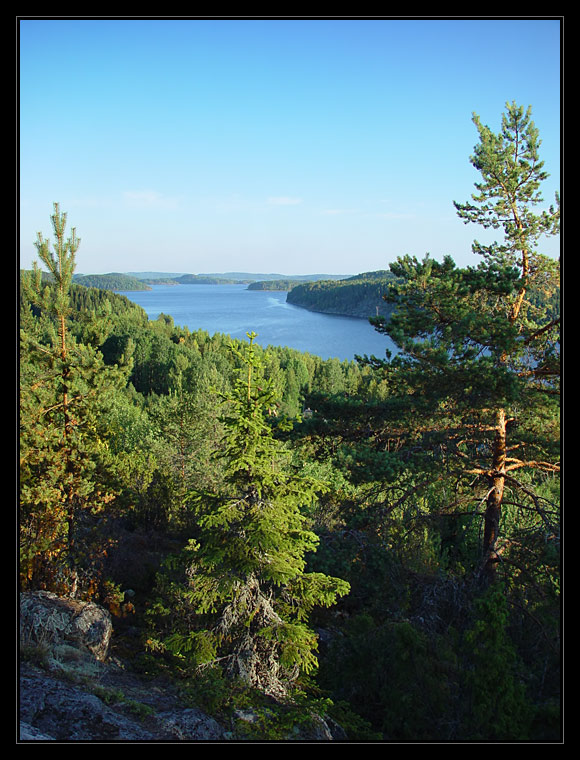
290 146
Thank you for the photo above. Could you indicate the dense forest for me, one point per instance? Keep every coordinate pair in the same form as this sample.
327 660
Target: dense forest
359 296
288 283
111 281
200 279
377 541
273 285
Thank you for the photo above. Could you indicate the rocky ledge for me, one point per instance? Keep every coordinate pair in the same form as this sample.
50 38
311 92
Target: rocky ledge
73 690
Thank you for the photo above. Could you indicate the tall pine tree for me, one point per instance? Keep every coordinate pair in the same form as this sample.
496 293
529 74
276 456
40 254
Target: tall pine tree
64 390
478 371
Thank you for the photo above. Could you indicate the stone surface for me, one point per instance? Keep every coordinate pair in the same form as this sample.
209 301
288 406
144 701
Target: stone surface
59 711
49 620
70 691
191 724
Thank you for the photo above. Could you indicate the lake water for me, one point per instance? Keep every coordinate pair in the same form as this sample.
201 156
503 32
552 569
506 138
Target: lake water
234 310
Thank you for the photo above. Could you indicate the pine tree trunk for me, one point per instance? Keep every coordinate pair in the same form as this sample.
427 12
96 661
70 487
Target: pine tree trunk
497 475
69 490
63 353
494 500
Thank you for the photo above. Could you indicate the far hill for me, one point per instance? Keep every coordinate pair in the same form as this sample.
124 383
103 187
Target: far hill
210 279
286 284
359 296
235 276
112 281
129 281
156 275
253 277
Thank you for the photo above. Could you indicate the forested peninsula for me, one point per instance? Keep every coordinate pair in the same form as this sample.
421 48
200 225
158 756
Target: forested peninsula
251 543
359 296
112 281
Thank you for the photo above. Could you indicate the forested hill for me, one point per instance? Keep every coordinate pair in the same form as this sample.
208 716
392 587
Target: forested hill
112 281
358 296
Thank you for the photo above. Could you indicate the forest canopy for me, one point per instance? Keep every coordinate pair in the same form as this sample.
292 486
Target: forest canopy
376 540
357 296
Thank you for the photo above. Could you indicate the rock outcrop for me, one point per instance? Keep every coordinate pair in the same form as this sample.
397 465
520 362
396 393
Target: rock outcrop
73 690
49 620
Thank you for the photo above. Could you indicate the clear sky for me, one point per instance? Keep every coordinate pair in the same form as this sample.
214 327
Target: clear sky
289 146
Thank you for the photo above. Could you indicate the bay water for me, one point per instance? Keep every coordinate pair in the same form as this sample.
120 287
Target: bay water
234 310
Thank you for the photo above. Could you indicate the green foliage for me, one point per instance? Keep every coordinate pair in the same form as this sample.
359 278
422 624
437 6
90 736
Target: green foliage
360 296
60 264
469 402
65 395
112 281
268 485
511 175
495 702
394 676
247 569
283 285
479 359
201 279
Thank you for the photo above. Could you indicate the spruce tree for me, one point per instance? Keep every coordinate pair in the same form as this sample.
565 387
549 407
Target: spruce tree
248 594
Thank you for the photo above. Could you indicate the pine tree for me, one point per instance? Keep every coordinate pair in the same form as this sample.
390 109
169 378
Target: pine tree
64 390
248 589
478 374
512 174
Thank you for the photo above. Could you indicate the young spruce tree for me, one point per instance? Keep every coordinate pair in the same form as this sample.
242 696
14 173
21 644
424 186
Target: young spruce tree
247 587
